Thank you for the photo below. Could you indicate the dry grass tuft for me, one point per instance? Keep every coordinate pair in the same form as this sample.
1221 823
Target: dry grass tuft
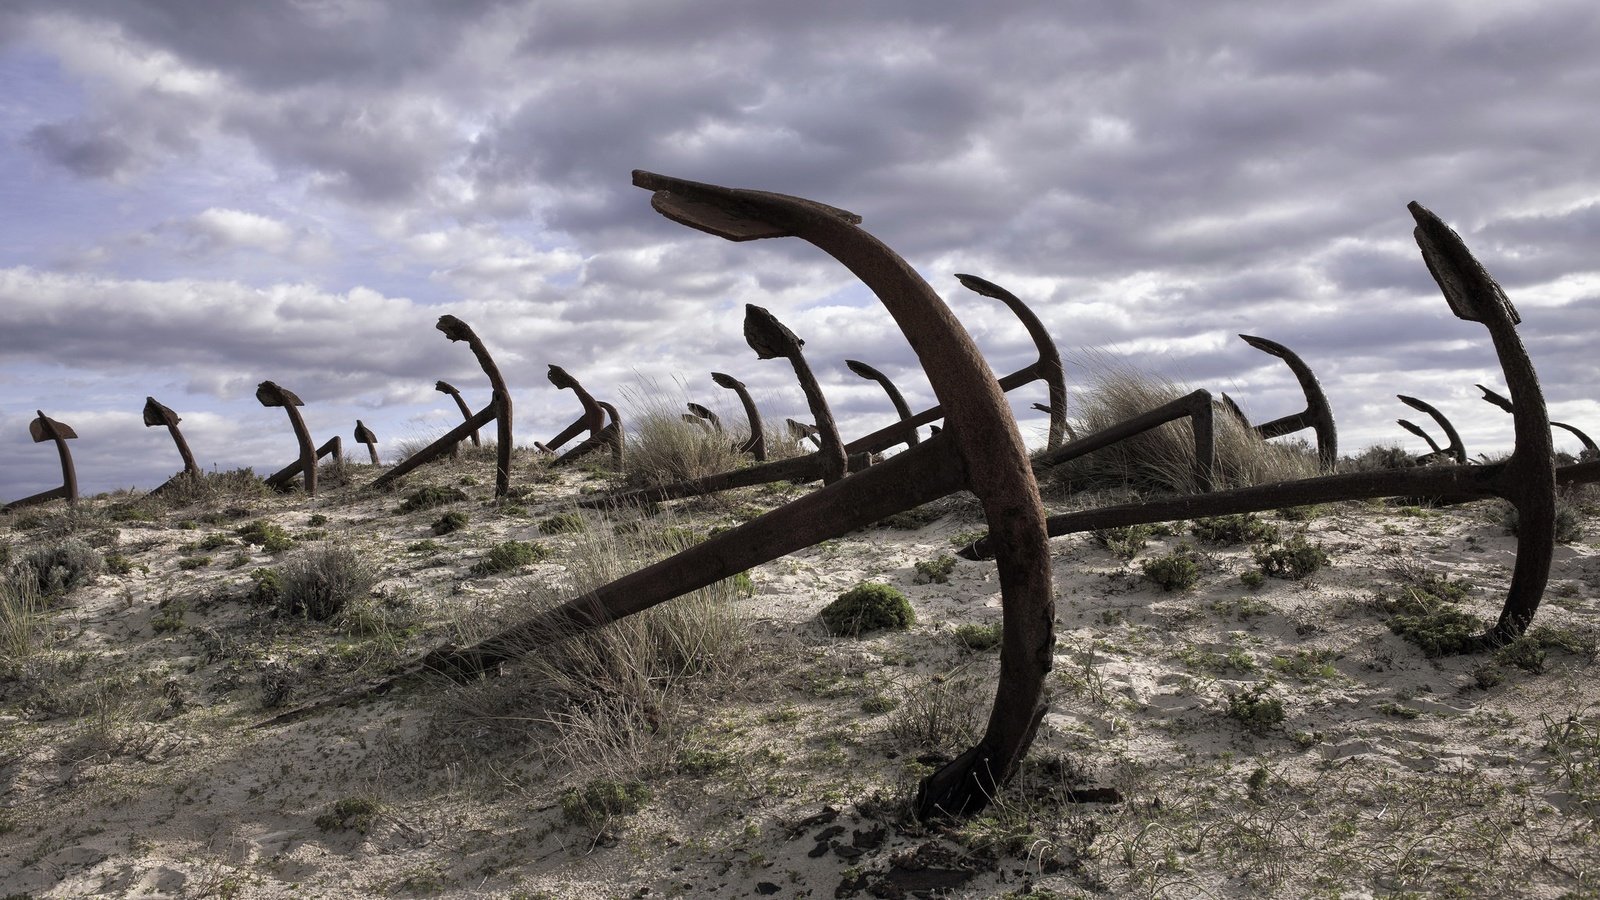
663 448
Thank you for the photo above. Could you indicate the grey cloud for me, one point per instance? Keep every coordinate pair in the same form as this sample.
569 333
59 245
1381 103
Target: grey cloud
82 148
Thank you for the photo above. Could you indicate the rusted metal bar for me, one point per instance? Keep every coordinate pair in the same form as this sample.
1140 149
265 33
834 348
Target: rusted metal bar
270 394
592 418
704 413
757 444
1317 415
498 410
801 431
445 387
332 447
1527 479
696 421
1503 403
770 339
1416 429
156 414
364 435
457 330
895 397
44 429
1196 406
609 436
1455 448
1047 368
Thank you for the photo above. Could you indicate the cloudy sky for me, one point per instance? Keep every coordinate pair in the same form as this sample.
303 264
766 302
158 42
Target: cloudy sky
200 196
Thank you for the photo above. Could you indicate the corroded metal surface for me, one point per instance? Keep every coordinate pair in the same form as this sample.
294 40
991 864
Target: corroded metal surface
365 436
895 397
704 413
1455 449
1318 415
1587 442
591 419
270 394
156 414
1195 406
756 445
445 387
1046 368
771 339
43 429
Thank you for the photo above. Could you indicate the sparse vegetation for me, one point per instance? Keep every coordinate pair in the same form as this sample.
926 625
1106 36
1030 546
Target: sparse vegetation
1256 708
450 522
320 581
430 496
266 535
602 800
935 571
508 555
562 523
1175 571
60 566
1241 528
1296 558
1124 542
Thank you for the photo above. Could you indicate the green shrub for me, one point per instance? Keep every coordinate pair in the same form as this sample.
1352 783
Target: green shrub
1569 521
213 541
117 564
508 555
319 582
58 567
603 799
169 615
269 537
431 496
1431 621
1252 579
1124 542
1255 709
1295 559
868 607
1241 528
266 586
450 522
317 520
1177 571
194 562
562 523
978 638
356 813
935 571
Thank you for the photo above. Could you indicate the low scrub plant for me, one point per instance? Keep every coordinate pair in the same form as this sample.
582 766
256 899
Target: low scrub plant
508 555
600 801
266 535
430 496
1428 616
357 813
868 607
320 581
1240 528
941 713
978 638
562 523
1255 708
451 521
1124 542
663 448
935 571
1569 521
59 566
1296 558
1176 571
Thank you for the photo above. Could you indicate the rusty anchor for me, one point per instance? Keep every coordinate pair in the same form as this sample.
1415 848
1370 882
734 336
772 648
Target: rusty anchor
895 397
700 413
771 339
364 435
592 418
498 411
1414 428
1318 415
445 387
156 414
270 394
1046 368
610 436
44 429
757 443
1503 403
1527 479
332 448
801 431
1455 449
982 451
1196 406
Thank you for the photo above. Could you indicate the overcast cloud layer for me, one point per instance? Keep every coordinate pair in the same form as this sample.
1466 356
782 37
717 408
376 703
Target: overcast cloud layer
200 196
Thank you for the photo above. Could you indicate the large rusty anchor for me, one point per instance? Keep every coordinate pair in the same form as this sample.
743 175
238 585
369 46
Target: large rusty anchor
271 394
1503 403
1527 479
44 429
156 414
1455 449
610 436
1046 368
445 387
365 436
1318 415
982 451
1196 406
703 416
592 418
498 411
757 444
771 339
895 397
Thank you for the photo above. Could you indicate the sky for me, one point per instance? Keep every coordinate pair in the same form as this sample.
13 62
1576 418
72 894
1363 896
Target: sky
197 197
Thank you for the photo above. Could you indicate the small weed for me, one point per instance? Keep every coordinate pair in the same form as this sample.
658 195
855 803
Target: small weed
430 496
321 581
266 586
1124 542
508 555
978 638
1308 665
939 713
59 567
1295 559
1241 528
935 571
194 562
562 523
1252 578
354 813
450 522
117 564
603 799
317 520
1255 708
1300 513
1235 661
1569 521
1176 571
868 607
1431 622
169 615
269 537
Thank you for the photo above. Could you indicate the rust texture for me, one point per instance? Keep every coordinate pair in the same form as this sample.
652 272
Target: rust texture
1527 479
498 410
445 387
771 339
365 436
1318 415
757 443
332 448
1503 403
44 429
1455 449
156 414
1417 430
1046 368
591 419
609 437
270 394
801 431
895 397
